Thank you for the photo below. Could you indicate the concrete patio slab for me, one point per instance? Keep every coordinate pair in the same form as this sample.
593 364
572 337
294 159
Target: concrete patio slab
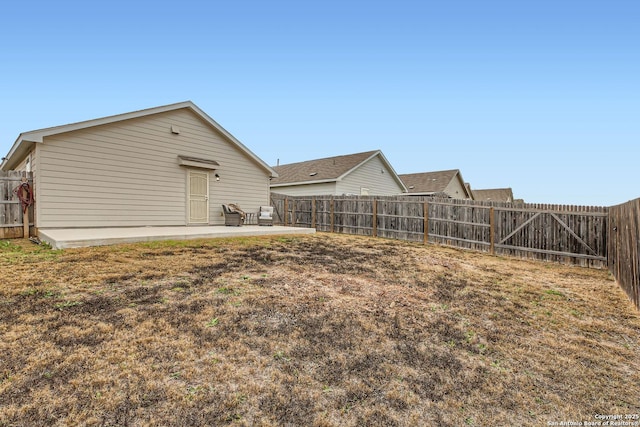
85 237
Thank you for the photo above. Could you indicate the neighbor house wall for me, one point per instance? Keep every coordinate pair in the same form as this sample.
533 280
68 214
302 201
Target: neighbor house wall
127 173
326 188
456 190
374 176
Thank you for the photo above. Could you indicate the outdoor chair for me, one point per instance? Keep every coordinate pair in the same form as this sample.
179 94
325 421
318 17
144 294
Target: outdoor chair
265 216
232 217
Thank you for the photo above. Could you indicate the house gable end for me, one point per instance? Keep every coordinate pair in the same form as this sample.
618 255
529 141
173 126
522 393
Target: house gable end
348 173
371 177
22 145
133 172
324 170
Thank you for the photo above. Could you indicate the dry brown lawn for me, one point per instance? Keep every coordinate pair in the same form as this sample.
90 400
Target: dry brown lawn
320 330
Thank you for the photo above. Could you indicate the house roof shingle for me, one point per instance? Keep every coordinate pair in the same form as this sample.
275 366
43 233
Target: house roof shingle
494 195
319 170
428 182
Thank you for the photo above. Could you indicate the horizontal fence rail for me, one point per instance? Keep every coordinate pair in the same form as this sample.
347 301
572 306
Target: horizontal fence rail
11 216
566 234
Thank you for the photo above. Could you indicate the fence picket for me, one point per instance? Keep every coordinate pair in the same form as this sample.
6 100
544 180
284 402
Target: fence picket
567 234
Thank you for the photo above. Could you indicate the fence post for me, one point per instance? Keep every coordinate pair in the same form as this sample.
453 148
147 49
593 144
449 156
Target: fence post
633 289
331 209
375 217
294 221
426 222
25 212
286 210
492 231
313 212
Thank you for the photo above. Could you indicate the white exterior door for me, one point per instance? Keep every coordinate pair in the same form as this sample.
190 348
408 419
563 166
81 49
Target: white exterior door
198 197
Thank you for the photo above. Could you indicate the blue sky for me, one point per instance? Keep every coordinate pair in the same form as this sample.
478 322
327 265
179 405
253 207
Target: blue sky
540 96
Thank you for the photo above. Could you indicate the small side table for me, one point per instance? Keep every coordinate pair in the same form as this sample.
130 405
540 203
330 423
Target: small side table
250 218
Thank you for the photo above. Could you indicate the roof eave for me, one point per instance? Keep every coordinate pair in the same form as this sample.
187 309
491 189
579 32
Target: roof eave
341 177
462 183
39 135
396 177
18 150
385 162
222 130
289 184
422 193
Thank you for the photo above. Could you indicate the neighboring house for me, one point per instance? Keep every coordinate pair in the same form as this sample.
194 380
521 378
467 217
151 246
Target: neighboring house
164 166
494 195
362 174
447 183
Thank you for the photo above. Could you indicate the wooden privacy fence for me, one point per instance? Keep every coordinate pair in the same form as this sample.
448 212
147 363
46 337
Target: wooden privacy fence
623 258
567 234
580 235
11 215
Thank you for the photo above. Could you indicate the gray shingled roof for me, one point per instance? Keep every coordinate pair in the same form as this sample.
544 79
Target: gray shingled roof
428 182
319 170
494 195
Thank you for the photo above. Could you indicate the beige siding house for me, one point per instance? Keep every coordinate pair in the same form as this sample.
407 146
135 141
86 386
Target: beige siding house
448 183
164 166
367 173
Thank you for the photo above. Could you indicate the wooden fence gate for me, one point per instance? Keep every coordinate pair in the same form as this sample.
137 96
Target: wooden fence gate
577 235
11 215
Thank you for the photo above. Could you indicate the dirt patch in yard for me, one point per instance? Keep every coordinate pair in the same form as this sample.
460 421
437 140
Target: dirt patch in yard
321 330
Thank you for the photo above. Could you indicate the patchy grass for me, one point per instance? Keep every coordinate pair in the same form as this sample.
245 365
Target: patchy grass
320 330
